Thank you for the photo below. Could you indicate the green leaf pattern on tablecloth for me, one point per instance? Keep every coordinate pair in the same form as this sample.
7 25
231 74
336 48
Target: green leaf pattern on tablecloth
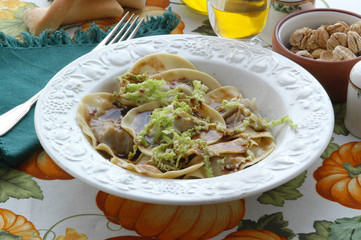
340 112
16 25
287 191
18 185
331 147
273 223
4 235
341 229
322 231
346 229
205 29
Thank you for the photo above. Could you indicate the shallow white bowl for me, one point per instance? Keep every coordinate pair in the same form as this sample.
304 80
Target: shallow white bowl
279 85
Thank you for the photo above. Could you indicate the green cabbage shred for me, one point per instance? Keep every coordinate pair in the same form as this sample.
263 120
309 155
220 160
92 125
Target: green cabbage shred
171 146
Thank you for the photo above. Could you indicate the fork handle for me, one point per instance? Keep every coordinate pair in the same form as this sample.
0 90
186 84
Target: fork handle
9 119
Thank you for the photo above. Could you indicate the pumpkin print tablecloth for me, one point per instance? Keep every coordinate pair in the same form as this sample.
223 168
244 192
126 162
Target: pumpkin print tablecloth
38 200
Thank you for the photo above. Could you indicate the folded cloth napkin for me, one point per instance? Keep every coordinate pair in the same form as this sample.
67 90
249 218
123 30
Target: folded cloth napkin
28 64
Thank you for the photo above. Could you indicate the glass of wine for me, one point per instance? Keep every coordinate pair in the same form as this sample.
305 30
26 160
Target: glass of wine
238 19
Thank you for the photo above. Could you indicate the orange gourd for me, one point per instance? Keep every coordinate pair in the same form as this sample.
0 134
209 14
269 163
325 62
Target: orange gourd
130 238
171 221
147 11
157 3
41 166
254 235
339 177
17 225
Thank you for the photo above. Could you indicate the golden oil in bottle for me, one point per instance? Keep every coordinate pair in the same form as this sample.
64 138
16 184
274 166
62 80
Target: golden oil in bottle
238 19
198 5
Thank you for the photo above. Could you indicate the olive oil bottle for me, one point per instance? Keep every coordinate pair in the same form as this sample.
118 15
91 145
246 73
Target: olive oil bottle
198 5
238 19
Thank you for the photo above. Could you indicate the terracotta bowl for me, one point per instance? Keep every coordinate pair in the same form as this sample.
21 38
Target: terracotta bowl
333 75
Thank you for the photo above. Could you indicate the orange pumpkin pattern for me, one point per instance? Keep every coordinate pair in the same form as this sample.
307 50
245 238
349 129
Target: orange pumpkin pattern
171 221
72 234
254 235
16 225
147 11
41 166
339 177
130 238
157 3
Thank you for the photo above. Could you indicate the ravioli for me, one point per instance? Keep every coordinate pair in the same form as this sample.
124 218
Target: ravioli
168 120
159 62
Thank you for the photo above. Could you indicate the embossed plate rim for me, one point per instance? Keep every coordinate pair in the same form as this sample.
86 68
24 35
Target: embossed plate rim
302 97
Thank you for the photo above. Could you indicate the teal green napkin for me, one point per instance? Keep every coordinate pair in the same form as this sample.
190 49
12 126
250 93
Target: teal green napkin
27 65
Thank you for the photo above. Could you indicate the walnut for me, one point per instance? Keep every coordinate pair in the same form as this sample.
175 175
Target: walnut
317 52
322 37
325 25
354 42
344 24
327 55
298 35
304 38
337 39
329 42
343 53
339 26
304 53
294 49
356 27
309 42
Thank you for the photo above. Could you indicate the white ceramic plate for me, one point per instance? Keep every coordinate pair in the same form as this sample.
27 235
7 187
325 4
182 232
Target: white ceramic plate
279 85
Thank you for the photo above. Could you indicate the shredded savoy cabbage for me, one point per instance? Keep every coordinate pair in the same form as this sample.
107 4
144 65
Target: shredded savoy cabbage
171 151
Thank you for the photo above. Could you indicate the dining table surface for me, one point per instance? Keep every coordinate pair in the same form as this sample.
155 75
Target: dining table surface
39 200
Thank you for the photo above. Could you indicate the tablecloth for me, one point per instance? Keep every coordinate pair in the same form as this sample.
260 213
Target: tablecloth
38 200
38 59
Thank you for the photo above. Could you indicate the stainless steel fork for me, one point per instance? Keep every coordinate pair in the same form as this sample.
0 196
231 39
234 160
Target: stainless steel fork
131 26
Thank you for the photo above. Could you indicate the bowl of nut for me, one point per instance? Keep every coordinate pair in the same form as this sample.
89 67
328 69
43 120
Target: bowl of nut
325 41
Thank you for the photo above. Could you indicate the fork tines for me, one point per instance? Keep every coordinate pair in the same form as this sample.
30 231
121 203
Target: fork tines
128 28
